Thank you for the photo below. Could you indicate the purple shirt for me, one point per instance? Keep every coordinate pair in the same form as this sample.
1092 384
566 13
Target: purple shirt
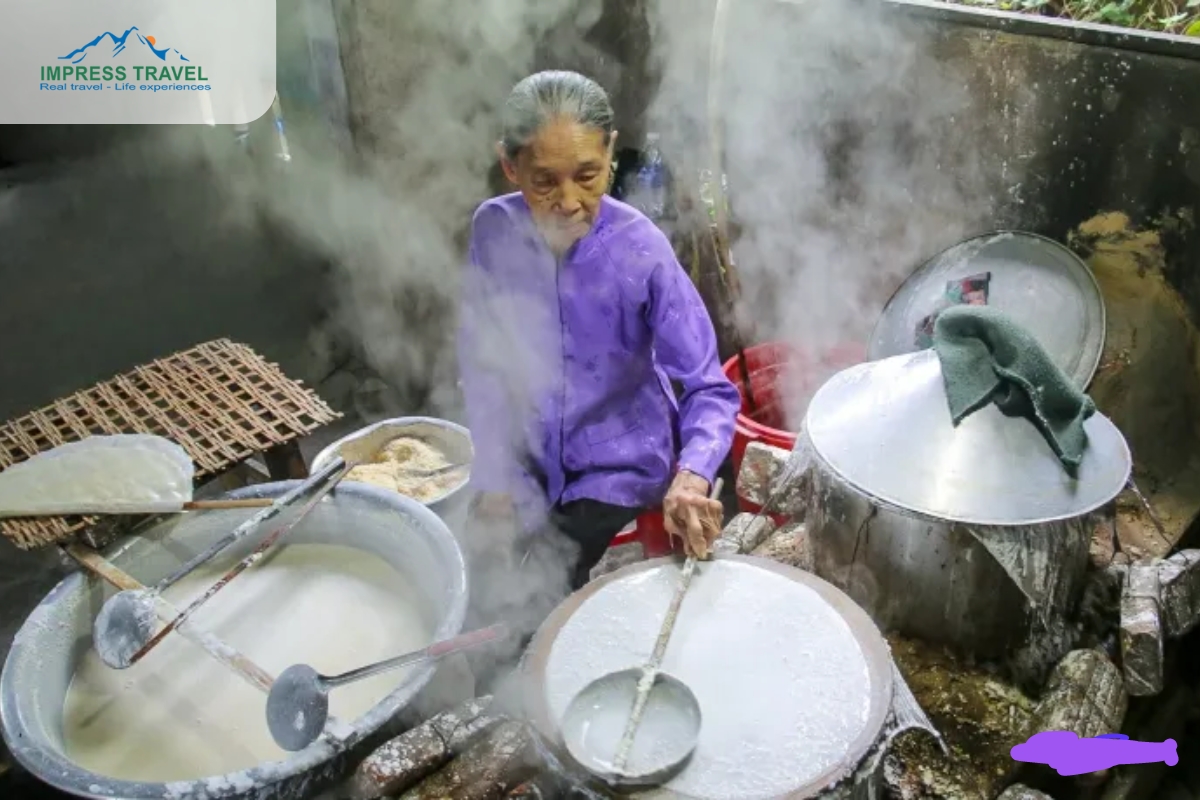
565 367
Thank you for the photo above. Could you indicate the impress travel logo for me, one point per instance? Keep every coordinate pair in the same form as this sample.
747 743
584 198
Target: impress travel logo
136 62
129 62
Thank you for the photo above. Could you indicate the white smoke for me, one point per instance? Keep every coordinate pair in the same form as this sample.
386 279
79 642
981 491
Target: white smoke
840 147
834 117
838 127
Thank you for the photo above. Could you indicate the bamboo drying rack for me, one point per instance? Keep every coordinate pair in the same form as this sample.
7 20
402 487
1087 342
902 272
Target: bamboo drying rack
221 401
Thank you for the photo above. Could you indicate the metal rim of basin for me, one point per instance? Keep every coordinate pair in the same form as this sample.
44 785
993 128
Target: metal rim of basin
420 428
52 766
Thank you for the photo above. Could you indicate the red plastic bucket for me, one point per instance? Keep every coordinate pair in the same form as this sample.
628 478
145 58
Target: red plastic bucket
649 530
767 363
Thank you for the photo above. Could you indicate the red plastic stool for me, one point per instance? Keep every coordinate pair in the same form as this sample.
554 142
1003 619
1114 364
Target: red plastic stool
649 530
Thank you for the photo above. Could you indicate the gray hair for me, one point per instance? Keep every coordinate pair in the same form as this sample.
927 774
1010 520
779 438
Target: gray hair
546 95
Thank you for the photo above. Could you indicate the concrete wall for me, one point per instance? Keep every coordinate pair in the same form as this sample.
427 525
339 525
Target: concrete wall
1071 120
863 138
120 259
125 243
111 263
982 120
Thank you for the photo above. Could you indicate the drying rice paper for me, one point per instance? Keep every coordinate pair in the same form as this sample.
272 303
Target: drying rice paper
123 474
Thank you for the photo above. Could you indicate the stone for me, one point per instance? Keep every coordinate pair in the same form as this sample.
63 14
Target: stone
788 545
756 480
761 464
1100 605
1142 631
405 761
744 533
1085 694
499 762
1019 791
1103 544
548 786
1179 580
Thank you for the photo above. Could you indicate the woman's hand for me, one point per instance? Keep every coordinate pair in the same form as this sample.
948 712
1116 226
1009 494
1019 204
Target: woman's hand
690 515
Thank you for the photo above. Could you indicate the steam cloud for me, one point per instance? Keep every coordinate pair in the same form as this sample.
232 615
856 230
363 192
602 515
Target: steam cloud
843 160
837 123
841 152
835 120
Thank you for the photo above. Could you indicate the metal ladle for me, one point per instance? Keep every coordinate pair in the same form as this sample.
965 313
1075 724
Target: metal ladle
595 720
600 738
298 703
125 628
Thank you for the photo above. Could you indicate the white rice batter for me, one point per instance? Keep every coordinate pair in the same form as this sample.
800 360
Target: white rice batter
179 715
781 680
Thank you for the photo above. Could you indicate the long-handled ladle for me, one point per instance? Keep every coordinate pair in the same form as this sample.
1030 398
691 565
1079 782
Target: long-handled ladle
298 703
98 565
587 724
124 630
222 652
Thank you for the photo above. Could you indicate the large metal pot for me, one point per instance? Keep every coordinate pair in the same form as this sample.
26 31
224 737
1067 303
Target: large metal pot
972 536
48 647
452 439
934 579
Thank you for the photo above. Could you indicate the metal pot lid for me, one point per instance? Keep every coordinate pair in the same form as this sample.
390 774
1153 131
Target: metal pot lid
1038 282
884 428
793 679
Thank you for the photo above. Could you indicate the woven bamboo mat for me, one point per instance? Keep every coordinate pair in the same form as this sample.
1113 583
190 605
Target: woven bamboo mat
220 401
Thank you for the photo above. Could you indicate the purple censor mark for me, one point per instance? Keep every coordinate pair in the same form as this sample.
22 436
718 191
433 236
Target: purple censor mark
1070 755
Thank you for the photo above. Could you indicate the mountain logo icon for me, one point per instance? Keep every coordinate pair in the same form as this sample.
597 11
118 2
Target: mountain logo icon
131 40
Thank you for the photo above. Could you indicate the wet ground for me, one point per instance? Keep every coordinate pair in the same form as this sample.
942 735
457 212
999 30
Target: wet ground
980 717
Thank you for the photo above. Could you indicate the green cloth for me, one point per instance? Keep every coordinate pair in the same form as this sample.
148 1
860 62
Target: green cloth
987 357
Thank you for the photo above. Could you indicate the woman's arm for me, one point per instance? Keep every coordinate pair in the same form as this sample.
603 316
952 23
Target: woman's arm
498 473
489 414
685 346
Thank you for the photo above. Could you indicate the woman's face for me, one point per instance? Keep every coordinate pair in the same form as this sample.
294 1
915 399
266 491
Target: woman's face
563 173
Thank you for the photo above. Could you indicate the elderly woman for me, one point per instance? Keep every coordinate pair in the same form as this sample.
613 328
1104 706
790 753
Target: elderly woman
576 316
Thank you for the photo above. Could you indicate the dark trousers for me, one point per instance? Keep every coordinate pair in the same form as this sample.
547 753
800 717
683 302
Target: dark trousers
591 525
520 579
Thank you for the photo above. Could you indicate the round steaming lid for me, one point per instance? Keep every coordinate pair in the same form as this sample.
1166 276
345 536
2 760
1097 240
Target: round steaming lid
1036 281
793 679
884 428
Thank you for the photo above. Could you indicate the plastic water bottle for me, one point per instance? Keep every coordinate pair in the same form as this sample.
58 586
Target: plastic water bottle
652 180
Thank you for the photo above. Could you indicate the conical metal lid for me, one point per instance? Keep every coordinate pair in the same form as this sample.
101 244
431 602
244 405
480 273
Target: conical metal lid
884 428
